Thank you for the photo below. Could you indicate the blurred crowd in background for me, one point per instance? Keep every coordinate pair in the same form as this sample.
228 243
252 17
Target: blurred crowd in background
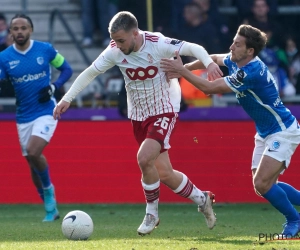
202 22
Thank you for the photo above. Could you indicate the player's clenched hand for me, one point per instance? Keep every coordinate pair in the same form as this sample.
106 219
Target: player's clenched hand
172 66
60 108
46 93
213 71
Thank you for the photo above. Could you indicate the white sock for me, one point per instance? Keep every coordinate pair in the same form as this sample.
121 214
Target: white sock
152 207
197 196
186 187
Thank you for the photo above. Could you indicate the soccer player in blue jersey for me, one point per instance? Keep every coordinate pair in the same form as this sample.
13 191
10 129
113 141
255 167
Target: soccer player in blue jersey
278 132
27 63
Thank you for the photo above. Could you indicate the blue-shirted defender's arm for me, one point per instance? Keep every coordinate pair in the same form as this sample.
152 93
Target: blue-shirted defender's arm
62 65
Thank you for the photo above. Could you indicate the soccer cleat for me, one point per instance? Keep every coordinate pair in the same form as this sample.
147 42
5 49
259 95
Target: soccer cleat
290 229
149 223
50 205
51 216
49 199
207 209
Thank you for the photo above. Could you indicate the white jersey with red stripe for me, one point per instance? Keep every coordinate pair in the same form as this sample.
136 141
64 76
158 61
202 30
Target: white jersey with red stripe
148 91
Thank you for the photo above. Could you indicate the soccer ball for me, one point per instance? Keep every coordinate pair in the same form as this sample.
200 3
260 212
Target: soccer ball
77 225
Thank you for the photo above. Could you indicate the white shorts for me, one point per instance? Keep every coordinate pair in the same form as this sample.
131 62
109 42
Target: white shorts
280 146
43 127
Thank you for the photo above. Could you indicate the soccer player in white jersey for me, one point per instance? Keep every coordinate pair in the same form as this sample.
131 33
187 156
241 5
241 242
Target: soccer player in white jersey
153 106
278 132
27 64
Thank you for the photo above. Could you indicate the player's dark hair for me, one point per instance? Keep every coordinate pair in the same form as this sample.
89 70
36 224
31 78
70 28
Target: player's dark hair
255 38
123 20
22 16
2 17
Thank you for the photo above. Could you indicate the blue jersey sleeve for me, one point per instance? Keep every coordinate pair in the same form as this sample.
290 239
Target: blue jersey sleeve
239 79
51 51
3 74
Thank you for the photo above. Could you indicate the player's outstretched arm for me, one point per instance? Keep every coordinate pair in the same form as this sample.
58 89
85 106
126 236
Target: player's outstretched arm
192 49
83 80
217 86
60 108
197 64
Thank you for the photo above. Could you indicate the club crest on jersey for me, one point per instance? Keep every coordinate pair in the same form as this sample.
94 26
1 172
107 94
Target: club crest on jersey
150 58
275 145
40 60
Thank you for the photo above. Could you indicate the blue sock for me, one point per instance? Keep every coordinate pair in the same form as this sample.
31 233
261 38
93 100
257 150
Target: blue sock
45 177
292 193
278 199
41 193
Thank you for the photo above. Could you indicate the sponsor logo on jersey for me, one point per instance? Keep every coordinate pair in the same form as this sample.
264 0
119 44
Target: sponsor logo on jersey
277 101
237 78
141 73
160 131
29 77
175 42
40 60
240 95
124 60
14 64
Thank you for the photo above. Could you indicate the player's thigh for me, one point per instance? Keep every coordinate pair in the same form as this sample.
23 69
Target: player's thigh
148 152
159 128
42 127
35 145
282 145
24 133
258 151
268 170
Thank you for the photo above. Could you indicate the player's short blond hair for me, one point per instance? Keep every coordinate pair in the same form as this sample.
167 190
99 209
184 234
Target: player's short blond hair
123 20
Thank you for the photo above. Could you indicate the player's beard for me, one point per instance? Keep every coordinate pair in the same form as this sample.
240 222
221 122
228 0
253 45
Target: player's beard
130 49
238 58
21 43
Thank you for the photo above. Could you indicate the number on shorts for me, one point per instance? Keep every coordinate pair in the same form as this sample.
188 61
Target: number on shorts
162 122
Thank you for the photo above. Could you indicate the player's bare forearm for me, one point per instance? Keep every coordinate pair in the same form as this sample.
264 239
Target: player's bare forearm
197 64
218 58
207 87
194 65
216 86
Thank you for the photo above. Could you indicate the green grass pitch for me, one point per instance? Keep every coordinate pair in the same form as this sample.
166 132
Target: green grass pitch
238 227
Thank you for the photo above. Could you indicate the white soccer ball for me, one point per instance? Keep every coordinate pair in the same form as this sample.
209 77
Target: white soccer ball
77 225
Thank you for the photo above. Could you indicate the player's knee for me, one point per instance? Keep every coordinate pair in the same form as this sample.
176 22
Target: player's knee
144 161
32 153
261 186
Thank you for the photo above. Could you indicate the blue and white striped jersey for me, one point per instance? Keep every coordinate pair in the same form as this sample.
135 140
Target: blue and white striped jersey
256 91
29 71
